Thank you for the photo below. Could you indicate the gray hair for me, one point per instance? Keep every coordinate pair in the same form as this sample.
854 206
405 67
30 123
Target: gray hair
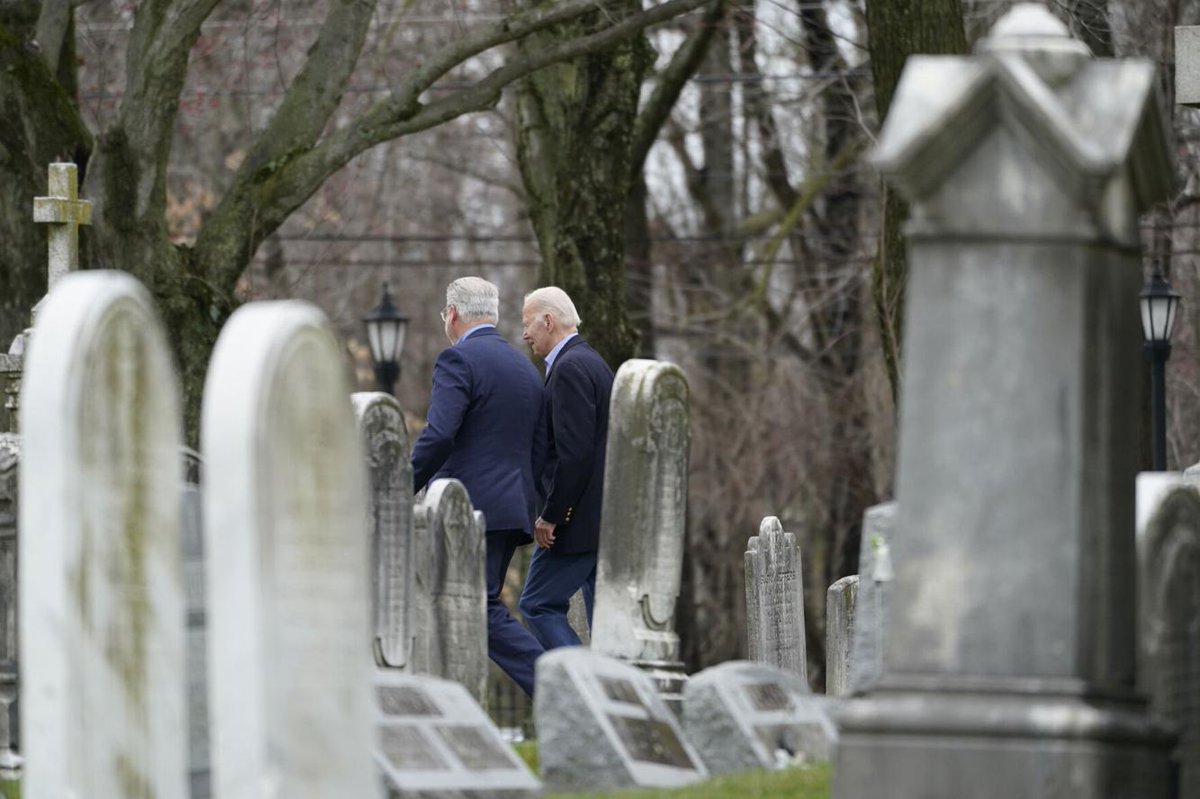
476 299
554 301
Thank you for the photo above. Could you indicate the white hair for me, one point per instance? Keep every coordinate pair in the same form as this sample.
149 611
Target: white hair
476 299
554 301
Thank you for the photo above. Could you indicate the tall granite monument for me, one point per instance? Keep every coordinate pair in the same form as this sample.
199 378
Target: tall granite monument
1009 666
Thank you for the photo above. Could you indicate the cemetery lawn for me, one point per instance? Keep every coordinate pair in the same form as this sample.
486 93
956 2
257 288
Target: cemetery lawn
10 789
795 783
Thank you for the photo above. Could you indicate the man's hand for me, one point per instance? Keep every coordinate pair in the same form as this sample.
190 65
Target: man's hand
543 533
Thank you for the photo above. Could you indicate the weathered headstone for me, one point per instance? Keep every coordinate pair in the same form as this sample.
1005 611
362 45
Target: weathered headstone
602 725
875 576
191 507
390 525
1168 542
742 716
841 604
10 461
775 599
1009 671
101 602
645 502
285 504
435 741
451 610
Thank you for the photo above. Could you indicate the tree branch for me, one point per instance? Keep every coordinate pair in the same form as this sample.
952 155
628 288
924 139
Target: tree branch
53 22
259 202
670 83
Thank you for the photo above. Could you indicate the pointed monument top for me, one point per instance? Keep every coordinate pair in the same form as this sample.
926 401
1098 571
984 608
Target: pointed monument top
1031 32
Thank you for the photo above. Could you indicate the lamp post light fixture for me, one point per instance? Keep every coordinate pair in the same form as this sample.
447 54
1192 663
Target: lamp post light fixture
1159 305
386 328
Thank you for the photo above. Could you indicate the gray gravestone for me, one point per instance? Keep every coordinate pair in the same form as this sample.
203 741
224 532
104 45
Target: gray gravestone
285 545
1187 65
1169 613
742 716
775 599
102 647
1009 671
451 621
436 742
644 511
390 525
875 576
602 725
10 462
841 603
191 504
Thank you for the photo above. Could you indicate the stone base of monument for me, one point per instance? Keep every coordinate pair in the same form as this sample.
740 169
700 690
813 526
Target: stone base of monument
669 678
1029 740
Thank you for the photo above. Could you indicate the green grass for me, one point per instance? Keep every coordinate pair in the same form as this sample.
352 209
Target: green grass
811 782
10 789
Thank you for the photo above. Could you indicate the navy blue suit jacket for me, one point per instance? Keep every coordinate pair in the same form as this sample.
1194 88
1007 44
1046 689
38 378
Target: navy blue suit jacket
484 424
578 390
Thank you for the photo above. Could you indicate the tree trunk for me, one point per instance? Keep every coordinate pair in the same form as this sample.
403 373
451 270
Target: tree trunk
898 29
573 146
41 125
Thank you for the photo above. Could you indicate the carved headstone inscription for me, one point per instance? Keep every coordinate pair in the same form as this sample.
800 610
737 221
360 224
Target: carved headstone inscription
451 628
775 599
285 501
390 524
102 646
602 725
191 507
742 716
435 741
841 601
875 576
645 501
1169 605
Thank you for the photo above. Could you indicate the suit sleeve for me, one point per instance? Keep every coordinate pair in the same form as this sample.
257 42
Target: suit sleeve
447 406
539 451
573 415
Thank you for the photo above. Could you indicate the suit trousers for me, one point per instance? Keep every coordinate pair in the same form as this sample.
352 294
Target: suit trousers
552 581
510 646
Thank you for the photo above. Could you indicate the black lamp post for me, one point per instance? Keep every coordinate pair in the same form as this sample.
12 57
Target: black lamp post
386 327
1159 304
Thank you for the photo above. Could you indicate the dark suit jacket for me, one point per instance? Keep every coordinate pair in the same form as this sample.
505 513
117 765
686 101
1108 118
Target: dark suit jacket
484 422
578 390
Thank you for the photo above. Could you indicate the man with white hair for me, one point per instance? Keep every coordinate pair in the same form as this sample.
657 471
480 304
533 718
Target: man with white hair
484 428
567 532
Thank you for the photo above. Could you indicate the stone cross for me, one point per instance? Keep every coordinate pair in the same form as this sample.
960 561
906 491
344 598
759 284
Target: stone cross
775 599
65 212
640 563
285 546
102 651
1027 165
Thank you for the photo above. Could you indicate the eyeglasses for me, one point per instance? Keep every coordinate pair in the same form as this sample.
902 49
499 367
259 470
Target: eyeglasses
446 312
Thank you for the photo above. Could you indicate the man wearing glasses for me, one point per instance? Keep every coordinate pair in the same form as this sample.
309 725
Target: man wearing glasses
484 429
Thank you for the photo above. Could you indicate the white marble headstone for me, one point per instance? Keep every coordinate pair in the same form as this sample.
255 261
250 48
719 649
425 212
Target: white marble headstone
452 636
640 561
389 524
285 504
775 599
101 591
